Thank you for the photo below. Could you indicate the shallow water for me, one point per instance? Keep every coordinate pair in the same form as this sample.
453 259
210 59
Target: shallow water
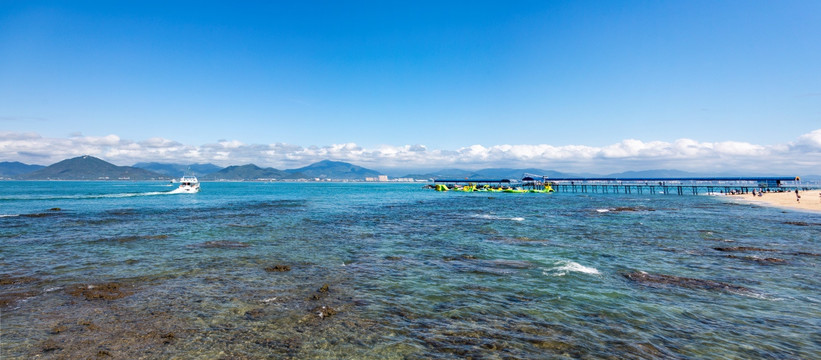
124 269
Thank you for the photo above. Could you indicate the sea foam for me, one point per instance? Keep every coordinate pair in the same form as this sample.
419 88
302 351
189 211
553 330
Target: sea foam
565 266
494 217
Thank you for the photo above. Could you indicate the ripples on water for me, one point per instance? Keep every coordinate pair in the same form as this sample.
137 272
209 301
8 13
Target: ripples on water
255 270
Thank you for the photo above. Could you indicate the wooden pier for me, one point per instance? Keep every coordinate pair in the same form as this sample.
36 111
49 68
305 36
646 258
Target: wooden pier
675 186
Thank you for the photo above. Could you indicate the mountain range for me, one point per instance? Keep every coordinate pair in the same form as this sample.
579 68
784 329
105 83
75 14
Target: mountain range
89 168
92 168
10 169
178 170
247 172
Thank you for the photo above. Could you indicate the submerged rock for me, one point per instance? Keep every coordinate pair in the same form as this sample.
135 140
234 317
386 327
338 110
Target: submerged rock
644 278
254 314
223 244
741 248
7 299
322 291
758 259
40 215
460 257
106 291
11 280
168 338
799 223
50 345
129 238
278 268
324 311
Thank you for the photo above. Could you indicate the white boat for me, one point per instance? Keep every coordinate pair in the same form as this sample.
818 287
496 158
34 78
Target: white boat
188 184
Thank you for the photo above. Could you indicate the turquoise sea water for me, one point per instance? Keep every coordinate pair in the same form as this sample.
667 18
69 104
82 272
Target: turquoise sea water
125 270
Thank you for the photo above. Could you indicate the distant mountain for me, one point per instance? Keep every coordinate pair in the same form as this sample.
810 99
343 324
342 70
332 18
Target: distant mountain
503 173
490 173
662 173
15 168
248 172
446 174
327 169
178 170
89 168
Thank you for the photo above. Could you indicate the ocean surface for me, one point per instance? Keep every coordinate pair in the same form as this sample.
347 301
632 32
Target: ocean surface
395 271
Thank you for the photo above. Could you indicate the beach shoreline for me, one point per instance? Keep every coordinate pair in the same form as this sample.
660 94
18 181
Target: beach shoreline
810 200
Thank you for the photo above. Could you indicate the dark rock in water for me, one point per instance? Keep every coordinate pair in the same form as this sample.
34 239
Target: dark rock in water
40 215
107 291
806 253
741 248
254 314
50 345
320 293
10 280
324 311
244 226
278 268
799 223
628 209
168 338
55 209
224 244
460 257
58 329
550 344
644 278
393 258
6 299
129 238
758 259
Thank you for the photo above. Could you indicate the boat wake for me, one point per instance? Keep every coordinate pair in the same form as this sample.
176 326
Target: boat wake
84 197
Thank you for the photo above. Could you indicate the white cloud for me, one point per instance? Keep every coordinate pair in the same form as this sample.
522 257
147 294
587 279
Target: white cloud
811 140
802 156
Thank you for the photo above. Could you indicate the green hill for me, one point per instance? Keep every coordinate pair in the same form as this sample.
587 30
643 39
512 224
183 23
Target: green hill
90 168
178 170
327 169
248 172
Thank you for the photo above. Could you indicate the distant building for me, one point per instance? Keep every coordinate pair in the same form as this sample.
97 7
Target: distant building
383 177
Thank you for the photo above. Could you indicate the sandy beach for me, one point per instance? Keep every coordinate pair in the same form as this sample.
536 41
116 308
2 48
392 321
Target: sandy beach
810 200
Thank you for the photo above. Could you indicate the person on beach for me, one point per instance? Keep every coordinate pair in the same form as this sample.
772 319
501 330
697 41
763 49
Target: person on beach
797 197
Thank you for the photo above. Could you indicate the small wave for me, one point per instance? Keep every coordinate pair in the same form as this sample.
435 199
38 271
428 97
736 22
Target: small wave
9 215
566 266
494 217
602 210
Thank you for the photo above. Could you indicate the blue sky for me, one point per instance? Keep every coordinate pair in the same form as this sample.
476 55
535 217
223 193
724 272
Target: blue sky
415 84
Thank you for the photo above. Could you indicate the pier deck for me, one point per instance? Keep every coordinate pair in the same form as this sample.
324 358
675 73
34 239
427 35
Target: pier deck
679 186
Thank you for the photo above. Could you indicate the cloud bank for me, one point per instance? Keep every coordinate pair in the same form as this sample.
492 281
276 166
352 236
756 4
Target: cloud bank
800 157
